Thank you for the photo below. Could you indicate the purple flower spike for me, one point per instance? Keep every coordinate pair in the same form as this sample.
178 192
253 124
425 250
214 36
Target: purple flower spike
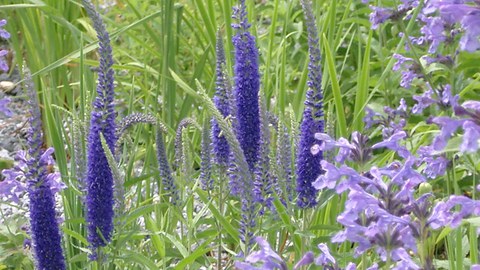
312 121
99 179
247 86
44 226
221 149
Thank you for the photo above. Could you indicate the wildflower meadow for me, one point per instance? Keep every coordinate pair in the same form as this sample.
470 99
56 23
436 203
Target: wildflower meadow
239 134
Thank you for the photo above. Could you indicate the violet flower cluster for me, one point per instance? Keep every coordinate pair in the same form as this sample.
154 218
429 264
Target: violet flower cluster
99 179
40 186
267 259
221 149
383 212
4 34
4 107
307 169
4 67
246 88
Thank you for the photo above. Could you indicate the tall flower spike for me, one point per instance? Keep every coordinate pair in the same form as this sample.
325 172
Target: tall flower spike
247 86
164 168
308 168
206 163
99 180
265 182
221 149
44 227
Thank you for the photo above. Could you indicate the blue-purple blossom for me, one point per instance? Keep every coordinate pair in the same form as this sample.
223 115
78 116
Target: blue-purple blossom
3 63
14 186
435 164
221 149
393 121
312 120
444 213
410 70
4 108
265 258
466 13
247 86
99 179
4 33
379 15
470 125
43 222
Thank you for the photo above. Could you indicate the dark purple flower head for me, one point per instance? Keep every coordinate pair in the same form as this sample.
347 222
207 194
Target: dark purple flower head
312 121
44 226
247 86
99 179
168 181
221 149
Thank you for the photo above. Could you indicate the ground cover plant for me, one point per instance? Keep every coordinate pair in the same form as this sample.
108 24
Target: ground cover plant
240 134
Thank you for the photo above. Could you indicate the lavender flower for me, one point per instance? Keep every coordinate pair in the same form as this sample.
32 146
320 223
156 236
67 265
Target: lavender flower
4 33
443 215
267 259
410 70
470 125
44 227
99 179
3 106
465 14
435 164
247 85
221 149
13 187
3 63
312 122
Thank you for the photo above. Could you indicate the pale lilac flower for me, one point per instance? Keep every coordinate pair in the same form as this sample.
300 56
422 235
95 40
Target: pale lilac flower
3 33
435 165
379 15
393 144
3 106
443 213
3 63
